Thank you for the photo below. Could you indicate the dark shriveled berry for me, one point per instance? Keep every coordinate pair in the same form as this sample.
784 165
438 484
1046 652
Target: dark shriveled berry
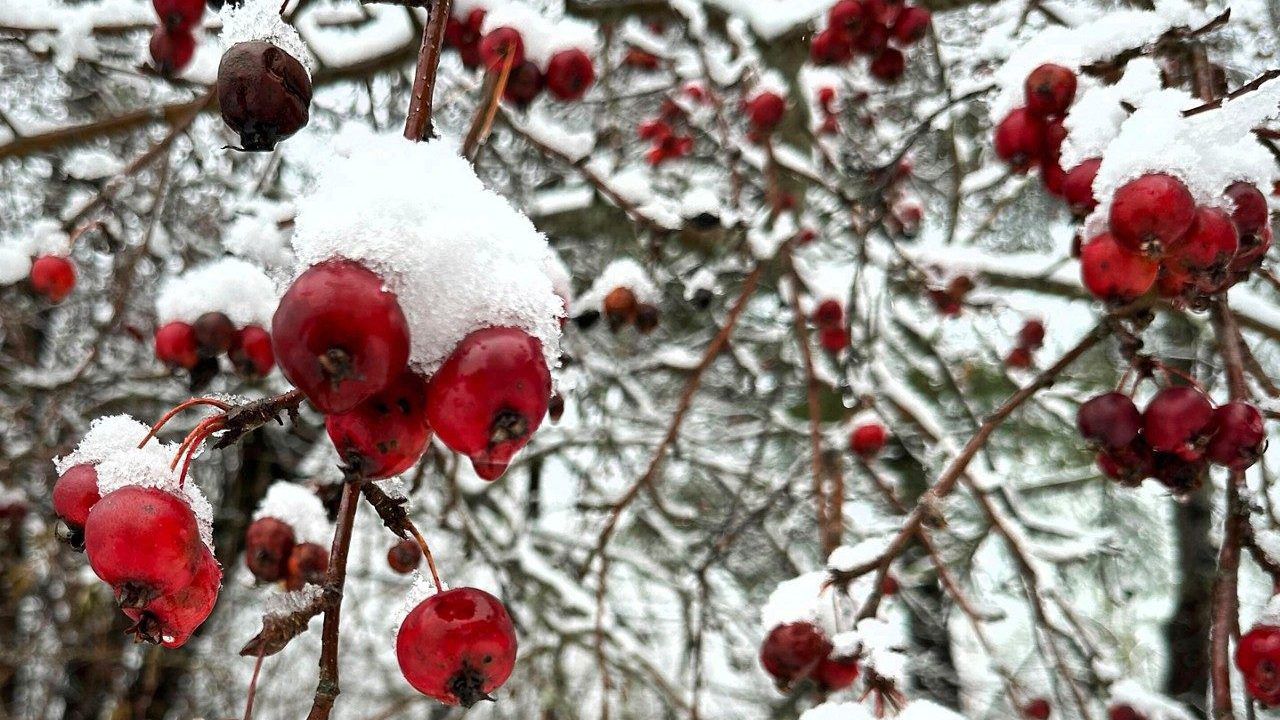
404 556
264 94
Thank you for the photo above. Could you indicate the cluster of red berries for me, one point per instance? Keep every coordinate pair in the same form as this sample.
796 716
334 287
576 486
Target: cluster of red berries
145 543
1158 237
569 73
52 277
800 650
948 300
1030 339
457 646
196 347
828 317
173 43
621 308
665 141
870 28
1258 658
868 439
1032 135
273 554
1174 439
342 339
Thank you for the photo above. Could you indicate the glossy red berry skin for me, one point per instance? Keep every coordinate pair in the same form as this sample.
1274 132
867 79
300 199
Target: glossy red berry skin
1239 435
404 557
888 66
1124 712
386 434
1210 244
828 313
268 544
1019 358
176 345
1176 421
500 44
831 47
1077 187
911 25
1249 208
179 14
74 495
791 652
1038 709
457 646
489 397
1258 658
170 620
1110 420
765 111
847 16
251 352
1020 139
868 439
338 336
833 675
1152 213
53 277
1113 273
143 542
171 50
570 73
308 565
1050 89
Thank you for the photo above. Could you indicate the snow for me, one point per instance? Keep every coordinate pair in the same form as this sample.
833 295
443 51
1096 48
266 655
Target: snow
300 509
285 603
106 436
257 236
837 711
543 37
561 279
772 18
700 201
259 20
623 272
846 558
92 164
766 241
927 710
422 588
1096 116
1270 614
883 645
15 262
235 287
1150 705
551 132
457 255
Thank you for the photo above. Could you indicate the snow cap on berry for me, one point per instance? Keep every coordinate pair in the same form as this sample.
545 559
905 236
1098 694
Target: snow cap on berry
623 272
1098 113
883 648
234 287
300 509
458 256
542 36
106 436
260 20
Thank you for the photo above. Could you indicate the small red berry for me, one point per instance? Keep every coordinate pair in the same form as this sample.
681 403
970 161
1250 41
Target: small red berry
1238 435
833 675
387 433
1258 657
500 44
489 397
308 565
1249 208
1124 712
268 544
1210 244
339 336
525 84
1152 213
791 652
868 439
765 111
74 495
570 74
404 557
1113 273
179 14
847 16
457 646
1110 420
828 313
911 25
1031 335
169 620
889 65
647 318
143 542
214 333
1050 89
1038 709
1020 139
1077 187
251 352
171 50
834 339
831 47
873 38
1019 358
620 307
176 345
53 276
1176 421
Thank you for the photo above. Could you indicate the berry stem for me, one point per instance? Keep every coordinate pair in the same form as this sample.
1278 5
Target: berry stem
426 552
253 684
417 126
193 402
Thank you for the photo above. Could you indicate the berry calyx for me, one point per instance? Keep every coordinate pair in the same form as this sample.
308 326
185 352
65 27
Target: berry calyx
457 646
868 439
308 565
251 352
176 345
1020 139
1114 273
171 49
143 542
570 74
339 336
1152 213
214 333
264 94
268 544
386 434
404 556
1238 435
53 277
1176 421
74 495
1077 187
791 652
1050 89
1109 421
489 397
1258 657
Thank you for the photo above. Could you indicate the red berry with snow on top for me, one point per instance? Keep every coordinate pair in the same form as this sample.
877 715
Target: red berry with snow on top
74 495
1177 421
143 542
176 345
1050 89
791 652
339 336
1238 435
53 277
386 434
268 543
489 397
457 646
171 50
1152 213
1114 273
1077 187
1020 139
570 74
1258 658
214 333
868 439
251 352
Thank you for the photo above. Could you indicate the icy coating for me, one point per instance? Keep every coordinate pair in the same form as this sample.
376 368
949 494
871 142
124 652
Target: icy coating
458 257
235 287
260 20
300 509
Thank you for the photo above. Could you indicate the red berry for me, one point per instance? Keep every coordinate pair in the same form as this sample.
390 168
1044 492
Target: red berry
169 620
1176 421
831 47
1152 213
911 25
1252 249
1124 712
1128 465
500 44
308 565
1249 208
1038 709
1031 335
75 494
143 542
1258 657
868 439
524 85
1020 139
834 339
53 276
1019 357
1113 273
1239 435
620 307
251 352
647 318
171 50
176 345
215 333
489 397
1052 175
889 65
833 675
1077 187
386 434
1050 89
457 646
765 111
339 336
655 129
268 544
828 313
846 16
791 652
873 38
404 556
1210 245
1110 420
569 74
179 14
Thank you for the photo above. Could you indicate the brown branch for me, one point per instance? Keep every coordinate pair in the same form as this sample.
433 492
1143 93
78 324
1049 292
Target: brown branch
417 125
1245 89
327 689
495 84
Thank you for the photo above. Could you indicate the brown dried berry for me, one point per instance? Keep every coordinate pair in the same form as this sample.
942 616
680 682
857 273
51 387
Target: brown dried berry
264 94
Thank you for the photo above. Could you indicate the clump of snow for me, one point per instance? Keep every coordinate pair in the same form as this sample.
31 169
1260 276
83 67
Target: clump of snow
766 241
543 37
15 262
235 287
457 255
300 509
837 711
883 648
1096 116
561 278
259 20
848 557
1270 614
1150 705
422 588
106 436
258 235
623 272
702 279
551 132
92 164
700 201
283 604
927 710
